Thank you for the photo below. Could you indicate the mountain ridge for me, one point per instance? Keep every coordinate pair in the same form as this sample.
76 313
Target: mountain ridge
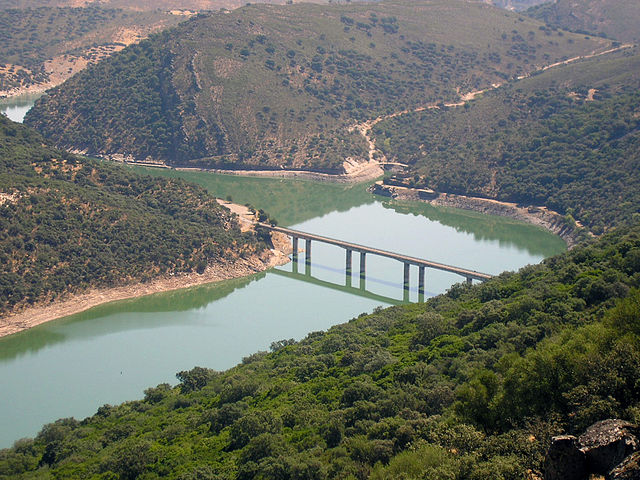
248 90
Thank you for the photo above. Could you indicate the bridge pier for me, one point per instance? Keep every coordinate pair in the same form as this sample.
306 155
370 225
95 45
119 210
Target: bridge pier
294 242
469 281
405 285
348 266
363 266
406 276
307 251
307 257
420 284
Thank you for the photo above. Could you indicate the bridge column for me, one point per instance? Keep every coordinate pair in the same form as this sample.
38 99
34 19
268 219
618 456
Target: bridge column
363 266
406 276
307 257
348 265
307 251
420 284
469 281
294 242
405 284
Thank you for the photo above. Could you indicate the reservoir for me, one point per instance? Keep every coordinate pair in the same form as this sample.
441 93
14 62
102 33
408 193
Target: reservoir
111 353
17 107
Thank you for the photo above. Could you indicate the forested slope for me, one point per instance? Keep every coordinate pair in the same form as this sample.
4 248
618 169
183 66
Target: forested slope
568 139
618 19
470 385
67 224
279 87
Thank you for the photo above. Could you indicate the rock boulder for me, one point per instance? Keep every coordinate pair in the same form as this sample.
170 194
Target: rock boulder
564 460
607 443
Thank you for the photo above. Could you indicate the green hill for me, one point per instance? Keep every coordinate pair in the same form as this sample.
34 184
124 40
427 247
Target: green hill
619 19
67 224
567 139
470 385
42 46
279 87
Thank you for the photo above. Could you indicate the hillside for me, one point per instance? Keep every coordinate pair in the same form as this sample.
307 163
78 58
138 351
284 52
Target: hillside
280 87
618 19
68 224
567 139
470 385
41 46
135 5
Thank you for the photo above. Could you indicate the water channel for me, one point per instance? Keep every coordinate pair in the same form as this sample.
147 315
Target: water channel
111 353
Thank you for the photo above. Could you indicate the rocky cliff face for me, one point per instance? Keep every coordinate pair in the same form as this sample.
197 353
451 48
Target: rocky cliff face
610 448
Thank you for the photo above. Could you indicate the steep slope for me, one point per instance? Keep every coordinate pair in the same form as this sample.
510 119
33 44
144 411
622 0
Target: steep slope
470 385
619 19
41 47
280 87
68 224
567 139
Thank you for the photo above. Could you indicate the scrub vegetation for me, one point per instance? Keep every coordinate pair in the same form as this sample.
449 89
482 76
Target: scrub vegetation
471 385
31 37
617 19
568 139
271 86
70 223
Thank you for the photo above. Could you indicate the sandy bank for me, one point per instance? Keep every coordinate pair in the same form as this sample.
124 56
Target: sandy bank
42 313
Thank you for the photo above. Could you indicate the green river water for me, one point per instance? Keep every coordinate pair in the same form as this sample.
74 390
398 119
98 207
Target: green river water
111 353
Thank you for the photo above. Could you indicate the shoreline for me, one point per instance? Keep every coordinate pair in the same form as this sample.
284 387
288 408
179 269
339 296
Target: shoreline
355 172
42 313
35 89
533 215
363 173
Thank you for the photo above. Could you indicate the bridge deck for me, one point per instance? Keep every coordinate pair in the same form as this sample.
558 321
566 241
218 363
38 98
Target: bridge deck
383 253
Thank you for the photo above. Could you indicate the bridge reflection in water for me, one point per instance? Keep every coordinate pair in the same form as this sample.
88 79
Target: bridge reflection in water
304 275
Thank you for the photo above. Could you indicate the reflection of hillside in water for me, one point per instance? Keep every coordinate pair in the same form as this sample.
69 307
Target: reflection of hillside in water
295 201
115 316
288 201
506 231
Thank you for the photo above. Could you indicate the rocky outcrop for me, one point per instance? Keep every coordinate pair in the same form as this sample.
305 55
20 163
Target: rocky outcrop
565 461
607 443
610 448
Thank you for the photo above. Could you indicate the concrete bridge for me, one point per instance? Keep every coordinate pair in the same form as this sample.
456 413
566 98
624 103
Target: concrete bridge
363 250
